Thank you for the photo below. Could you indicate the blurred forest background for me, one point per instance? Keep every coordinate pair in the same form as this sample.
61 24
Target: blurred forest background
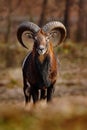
71 88
73 13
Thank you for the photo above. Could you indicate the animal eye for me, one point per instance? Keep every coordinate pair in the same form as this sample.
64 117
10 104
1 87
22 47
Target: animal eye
35 38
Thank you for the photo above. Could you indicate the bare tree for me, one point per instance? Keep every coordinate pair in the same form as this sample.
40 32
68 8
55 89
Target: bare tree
8 19
7 34
43 13
82 21
9 56
66 17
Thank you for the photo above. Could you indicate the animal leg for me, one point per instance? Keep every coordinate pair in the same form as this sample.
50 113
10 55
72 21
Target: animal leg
35 95
50 91
43 94
27 92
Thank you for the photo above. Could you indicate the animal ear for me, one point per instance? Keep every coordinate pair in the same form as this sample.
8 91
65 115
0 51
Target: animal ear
29 35
28 40
30 27
56 31
55 37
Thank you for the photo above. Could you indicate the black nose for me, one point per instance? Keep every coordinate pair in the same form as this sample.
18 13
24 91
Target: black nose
41 48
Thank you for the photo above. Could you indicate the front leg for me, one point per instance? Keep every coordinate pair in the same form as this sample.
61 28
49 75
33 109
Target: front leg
27 90
35 94
27 94
50 91
43 94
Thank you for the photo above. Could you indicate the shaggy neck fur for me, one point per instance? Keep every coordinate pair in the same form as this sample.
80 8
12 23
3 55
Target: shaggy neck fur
43 64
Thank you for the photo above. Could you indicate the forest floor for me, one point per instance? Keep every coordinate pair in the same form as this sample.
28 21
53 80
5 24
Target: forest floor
70 95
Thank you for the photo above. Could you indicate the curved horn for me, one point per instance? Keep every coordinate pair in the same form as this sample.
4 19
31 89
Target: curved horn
26 26
57 27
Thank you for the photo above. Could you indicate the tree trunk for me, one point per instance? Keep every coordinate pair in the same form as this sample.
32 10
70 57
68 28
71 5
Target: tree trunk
43 13
7 35
66 17
82 22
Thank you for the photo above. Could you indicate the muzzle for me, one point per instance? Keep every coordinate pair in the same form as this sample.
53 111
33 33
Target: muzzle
41 50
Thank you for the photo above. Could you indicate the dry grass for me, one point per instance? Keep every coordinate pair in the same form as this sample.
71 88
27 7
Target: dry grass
62 114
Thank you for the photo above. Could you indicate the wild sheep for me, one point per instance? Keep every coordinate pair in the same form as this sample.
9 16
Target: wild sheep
40 67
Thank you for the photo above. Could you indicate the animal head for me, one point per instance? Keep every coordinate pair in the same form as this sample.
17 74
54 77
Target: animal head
52 33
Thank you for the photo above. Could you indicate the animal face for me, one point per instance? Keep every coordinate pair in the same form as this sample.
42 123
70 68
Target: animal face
41 42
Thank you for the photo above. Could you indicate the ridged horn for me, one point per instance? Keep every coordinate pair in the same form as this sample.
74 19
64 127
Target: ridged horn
26 26
55 26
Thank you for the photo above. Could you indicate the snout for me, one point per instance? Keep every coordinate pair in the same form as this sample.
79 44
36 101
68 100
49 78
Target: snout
41 50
